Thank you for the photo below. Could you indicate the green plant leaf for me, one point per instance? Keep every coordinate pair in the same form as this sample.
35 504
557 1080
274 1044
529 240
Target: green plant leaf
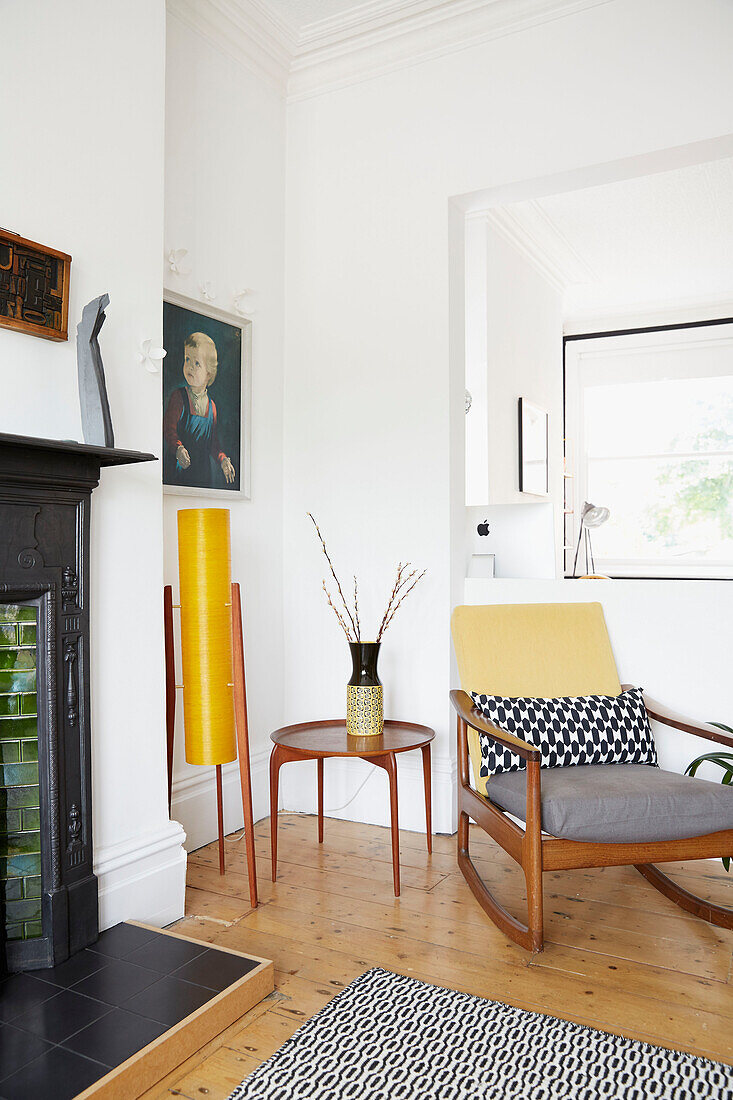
722 759
722 726
726 862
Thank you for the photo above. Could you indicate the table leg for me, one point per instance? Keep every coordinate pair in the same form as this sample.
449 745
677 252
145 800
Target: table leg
428 796
276 759
389 764
320 800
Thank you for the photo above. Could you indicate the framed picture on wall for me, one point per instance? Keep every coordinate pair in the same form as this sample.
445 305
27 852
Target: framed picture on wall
206 400
534 474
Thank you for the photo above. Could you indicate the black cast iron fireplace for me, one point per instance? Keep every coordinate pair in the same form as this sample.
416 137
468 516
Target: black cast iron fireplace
48 889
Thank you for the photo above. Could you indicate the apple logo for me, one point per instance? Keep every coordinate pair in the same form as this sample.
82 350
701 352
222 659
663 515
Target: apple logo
483 528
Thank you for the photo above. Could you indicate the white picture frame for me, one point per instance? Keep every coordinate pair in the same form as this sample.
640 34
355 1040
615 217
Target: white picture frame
534 466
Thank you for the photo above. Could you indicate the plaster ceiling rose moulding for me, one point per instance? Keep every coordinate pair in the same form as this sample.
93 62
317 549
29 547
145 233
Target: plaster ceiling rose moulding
363 41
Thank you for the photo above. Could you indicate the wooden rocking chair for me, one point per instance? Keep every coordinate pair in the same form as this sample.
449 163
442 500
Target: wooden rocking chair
550 651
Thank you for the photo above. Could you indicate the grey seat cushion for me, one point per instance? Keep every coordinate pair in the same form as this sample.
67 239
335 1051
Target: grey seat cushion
619 803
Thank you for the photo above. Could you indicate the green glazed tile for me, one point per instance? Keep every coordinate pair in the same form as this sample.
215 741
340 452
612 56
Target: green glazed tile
23 910
16 612
33 929
14 931
31 819
22 797
8 635
18 680
10 704
29 751
10 821
21 659
31 886
18 775
12 729
28 703
12 889
20 866
20 844
28 635
10 752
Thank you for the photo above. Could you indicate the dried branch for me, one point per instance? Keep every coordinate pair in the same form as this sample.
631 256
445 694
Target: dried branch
338 583
338 614
400 591
356 610
404 596
400 581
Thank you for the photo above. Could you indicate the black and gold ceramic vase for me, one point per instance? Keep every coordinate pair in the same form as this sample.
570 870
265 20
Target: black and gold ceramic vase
364 702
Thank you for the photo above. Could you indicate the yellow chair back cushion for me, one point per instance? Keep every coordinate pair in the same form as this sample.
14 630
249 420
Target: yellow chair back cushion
543 650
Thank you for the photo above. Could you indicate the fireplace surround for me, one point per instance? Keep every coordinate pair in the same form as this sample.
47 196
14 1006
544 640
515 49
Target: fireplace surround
48 889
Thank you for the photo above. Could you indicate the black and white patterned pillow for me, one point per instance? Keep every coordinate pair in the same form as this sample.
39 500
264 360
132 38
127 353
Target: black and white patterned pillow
590 729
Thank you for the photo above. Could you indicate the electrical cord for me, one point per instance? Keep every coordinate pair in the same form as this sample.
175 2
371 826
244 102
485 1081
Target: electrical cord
329 810
359 789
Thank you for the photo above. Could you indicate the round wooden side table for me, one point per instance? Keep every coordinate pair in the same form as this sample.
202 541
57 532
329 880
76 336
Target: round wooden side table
318 740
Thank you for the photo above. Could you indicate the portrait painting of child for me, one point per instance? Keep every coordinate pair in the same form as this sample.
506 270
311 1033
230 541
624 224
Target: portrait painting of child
202 402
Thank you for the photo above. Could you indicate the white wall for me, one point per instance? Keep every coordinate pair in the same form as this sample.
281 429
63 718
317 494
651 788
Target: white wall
514 331
524 359
671 638
82 170
225 203
370 379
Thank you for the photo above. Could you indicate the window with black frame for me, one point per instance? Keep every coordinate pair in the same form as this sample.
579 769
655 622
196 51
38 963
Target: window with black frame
649 436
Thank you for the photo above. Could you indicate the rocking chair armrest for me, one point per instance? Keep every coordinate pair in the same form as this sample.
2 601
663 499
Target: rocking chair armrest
472 716
667 717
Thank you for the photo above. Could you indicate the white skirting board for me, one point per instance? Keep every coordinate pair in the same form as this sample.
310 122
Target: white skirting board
194 796
193 801
343 778
143 878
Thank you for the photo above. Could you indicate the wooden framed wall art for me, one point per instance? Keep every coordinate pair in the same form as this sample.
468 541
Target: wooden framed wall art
34 287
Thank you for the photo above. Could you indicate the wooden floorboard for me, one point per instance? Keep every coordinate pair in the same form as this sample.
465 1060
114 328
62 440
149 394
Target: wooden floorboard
619 956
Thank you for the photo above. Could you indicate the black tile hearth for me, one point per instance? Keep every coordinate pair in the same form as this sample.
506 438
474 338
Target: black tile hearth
65 1027
120 941
21 992
59 1074
79 966
18 1048
61 1016
115 1037
215 969
116 982
169 1001
166 954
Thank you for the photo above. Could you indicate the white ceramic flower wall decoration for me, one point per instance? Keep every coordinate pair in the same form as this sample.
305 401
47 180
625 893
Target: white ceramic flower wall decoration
176 261
208 292
151 357
243 304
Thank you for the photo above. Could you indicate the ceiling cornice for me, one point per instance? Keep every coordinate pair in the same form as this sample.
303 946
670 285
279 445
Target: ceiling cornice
365 41
386 35
248 31
534 234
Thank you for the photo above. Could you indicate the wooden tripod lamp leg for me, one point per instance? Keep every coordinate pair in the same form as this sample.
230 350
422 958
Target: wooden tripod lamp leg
170 683
220 818
240 711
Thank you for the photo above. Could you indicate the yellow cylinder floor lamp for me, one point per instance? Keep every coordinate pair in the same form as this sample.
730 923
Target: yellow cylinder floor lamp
212 658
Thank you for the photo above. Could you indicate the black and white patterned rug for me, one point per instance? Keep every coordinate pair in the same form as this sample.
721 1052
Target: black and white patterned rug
387 1037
